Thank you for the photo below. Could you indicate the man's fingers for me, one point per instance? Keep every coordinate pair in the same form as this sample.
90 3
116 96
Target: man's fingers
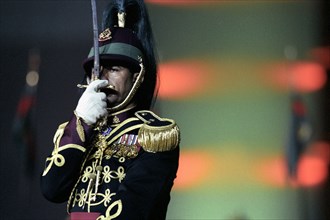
103 96
97 84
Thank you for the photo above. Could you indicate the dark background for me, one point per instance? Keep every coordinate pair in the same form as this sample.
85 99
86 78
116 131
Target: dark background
62 31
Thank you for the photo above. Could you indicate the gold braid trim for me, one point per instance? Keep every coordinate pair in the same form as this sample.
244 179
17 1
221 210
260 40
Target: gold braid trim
159 139
68 205
108 214
57 158
79 128
88 155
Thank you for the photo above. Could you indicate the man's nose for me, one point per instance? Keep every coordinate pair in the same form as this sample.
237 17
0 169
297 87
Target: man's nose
103 77
103 74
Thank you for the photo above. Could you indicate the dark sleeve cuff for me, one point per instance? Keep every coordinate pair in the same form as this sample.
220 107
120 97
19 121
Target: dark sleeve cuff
76 132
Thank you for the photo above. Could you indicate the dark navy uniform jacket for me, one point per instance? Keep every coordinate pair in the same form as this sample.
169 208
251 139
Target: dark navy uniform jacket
125 171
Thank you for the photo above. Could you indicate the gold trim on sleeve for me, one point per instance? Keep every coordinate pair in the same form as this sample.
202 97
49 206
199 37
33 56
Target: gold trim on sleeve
79 128
57 158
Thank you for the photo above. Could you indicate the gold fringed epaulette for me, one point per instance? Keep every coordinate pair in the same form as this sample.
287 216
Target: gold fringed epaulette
157 134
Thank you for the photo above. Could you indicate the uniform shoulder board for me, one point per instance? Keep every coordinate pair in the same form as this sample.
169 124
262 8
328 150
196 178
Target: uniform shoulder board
157 134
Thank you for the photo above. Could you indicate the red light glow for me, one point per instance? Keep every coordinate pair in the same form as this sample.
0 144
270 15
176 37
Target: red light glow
194 168
301 76
183 79
311 169
320 149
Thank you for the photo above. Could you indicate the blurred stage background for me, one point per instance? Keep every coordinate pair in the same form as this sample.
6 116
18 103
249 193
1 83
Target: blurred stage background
247 81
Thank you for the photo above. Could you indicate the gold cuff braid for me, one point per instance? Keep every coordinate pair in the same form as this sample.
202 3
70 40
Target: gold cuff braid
79 128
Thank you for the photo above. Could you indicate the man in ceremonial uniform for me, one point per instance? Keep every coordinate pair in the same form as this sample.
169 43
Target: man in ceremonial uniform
115 159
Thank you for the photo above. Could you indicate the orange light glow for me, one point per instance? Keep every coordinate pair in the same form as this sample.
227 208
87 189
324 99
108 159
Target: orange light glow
311 168
272 171
194 168
312 171
301 76
183 79
320 149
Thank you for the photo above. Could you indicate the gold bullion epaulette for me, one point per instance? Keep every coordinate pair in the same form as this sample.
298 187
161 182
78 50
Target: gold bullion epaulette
157 134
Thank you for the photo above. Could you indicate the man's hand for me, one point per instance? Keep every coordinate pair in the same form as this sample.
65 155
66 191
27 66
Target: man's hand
92 104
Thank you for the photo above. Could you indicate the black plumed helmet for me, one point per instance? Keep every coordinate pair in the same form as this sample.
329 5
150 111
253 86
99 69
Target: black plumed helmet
117 45
135 37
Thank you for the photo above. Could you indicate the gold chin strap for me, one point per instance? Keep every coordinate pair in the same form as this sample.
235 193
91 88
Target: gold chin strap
132 92
121 23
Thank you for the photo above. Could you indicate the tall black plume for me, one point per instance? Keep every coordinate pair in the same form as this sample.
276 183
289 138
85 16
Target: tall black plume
137 19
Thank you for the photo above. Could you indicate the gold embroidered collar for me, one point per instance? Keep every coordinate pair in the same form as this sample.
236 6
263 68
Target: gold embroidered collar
116 118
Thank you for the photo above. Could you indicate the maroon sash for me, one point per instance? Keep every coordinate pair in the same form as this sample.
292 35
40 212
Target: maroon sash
84 215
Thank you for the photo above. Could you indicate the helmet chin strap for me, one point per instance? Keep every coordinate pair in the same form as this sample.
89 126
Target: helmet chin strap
132 92
121 23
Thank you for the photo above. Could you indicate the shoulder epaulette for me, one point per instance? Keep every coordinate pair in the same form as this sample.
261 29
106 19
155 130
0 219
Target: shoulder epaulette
157 134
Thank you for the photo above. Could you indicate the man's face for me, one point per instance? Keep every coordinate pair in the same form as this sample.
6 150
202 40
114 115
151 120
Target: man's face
122 79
